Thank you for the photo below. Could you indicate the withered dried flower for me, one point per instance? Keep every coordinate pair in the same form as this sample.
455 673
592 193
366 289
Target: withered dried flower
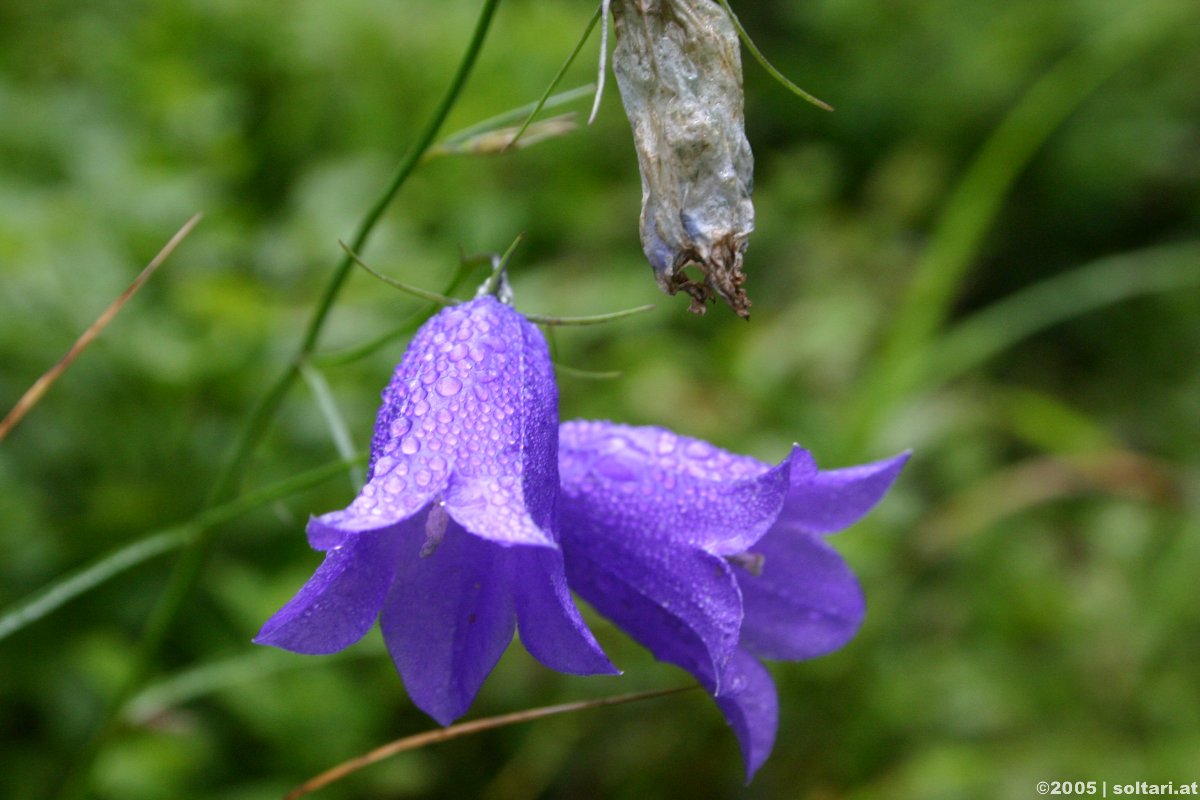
678 68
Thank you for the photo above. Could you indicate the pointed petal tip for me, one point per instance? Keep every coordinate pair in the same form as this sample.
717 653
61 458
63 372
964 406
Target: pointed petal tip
751 707
511 530
828 501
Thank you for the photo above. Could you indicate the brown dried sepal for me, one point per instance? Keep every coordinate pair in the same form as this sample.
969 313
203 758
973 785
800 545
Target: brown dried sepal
723 277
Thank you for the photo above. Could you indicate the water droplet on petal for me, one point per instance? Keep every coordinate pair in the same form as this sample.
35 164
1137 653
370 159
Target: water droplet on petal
615 469
448 386
400 427
409 445
422 477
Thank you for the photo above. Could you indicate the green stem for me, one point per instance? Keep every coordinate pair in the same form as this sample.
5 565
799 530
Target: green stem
767 65
62 590
187 570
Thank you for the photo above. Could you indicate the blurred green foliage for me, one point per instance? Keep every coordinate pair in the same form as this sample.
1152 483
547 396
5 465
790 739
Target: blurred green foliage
988 254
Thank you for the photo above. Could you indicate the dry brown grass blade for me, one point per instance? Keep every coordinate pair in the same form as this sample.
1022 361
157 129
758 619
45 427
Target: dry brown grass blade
465 729
42 384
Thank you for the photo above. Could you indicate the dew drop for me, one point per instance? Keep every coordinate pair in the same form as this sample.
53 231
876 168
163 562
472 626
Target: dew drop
458 352
422 477
400 427
409 445
448 386
615 469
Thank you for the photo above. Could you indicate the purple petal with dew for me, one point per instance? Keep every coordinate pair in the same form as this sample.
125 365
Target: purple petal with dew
825 502
471 412
447 620
680 602
550 625
751 706
662 485
340 601
806 602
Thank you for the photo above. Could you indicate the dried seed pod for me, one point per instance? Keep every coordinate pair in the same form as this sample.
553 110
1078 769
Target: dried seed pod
678 67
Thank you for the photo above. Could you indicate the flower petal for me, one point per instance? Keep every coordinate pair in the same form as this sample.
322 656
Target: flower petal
751 706
805 603
447 620
825 502
340 601
470 414
680 602
493 413
550 625
662 485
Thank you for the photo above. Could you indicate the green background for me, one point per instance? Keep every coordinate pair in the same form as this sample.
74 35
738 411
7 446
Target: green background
990 253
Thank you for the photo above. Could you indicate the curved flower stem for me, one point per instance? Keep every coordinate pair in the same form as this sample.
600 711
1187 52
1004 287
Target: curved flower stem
594 319
767 65
187 570
409 325
466 729
539 319
407 288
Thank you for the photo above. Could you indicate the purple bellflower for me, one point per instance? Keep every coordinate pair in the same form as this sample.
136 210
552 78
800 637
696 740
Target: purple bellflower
713 560
452 543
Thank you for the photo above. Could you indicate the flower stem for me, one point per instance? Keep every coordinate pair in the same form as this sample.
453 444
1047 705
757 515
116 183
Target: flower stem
440 735
188 568
767 65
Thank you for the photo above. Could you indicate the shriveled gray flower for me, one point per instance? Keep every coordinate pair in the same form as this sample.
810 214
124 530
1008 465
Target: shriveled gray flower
679 71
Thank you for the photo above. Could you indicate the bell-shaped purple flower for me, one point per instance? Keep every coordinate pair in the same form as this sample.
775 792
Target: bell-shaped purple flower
452 543
714 560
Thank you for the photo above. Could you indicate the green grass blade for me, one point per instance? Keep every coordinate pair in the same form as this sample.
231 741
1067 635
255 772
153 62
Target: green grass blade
338 429
61 591
976 200
1089 288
